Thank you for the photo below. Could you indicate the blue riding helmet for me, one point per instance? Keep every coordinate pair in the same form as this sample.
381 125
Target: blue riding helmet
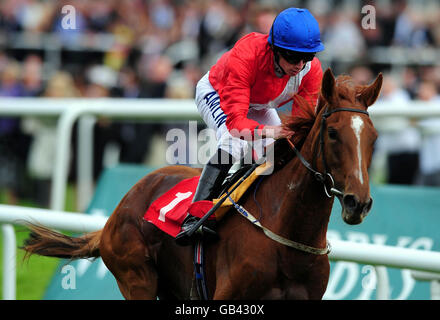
296 30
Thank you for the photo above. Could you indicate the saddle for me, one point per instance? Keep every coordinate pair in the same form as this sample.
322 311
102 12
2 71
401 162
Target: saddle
231 179
238 193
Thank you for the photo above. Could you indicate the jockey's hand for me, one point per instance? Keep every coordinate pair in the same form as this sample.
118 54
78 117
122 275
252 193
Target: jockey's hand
276 132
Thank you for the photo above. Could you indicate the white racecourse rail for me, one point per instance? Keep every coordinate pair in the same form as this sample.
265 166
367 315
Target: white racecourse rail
377 255
70 110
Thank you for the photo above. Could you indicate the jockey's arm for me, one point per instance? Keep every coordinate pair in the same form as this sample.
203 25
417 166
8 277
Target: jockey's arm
275 132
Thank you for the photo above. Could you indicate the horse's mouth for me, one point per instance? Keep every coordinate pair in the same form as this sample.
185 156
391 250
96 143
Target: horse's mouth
354 211
351 218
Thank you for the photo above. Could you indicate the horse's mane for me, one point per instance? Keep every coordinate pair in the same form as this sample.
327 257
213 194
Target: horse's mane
299 125
301 122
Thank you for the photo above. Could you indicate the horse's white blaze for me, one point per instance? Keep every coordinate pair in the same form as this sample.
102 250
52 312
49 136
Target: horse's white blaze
357 125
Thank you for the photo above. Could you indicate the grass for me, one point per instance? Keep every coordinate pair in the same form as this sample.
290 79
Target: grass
34 274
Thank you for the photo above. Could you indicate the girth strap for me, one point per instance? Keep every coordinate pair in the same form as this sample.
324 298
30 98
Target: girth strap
199 270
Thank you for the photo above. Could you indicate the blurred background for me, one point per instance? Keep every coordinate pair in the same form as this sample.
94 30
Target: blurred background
161 48
137 49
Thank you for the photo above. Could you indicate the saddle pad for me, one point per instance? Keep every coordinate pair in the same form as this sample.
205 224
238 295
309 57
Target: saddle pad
169 210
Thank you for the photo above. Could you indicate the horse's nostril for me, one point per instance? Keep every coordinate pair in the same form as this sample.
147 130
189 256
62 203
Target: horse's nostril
350 201
369 205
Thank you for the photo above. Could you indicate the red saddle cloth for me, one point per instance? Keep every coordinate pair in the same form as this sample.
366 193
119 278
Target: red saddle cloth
169 210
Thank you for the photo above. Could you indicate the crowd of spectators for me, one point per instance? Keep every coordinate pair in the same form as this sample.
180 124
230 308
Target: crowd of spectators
161 48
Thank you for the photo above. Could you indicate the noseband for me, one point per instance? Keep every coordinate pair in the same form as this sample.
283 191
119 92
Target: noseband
325 178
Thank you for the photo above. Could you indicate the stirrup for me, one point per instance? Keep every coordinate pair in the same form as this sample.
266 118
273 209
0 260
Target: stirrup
184 239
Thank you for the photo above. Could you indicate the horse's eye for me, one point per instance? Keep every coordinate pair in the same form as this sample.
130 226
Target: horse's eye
332 133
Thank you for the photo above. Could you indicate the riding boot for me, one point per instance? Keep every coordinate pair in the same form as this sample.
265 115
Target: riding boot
212 177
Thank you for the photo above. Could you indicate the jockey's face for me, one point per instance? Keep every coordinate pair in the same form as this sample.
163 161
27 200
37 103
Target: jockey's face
291 69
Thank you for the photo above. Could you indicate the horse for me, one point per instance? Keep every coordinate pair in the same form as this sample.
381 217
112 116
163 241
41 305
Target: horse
294 202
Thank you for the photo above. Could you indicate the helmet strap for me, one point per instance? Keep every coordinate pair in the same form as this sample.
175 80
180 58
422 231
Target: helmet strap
272 46
279 72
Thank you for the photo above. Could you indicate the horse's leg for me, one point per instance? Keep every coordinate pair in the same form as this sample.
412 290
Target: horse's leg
226 287
129 251
138 284
129 259
232 287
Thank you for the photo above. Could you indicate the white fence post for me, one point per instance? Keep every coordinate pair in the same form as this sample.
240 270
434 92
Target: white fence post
85 162
382 283
9 262
433 278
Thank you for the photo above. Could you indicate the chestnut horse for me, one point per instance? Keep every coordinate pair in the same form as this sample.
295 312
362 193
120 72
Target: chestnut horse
295 203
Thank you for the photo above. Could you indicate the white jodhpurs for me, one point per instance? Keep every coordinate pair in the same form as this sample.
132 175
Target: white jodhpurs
208 104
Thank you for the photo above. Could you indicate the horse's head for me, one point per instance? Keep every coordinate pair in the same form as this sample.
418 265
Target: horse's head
346 140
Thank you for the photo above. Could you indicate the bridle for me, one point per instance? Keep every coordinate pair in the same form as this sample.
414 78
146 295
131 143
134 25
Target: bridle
330 190
324 177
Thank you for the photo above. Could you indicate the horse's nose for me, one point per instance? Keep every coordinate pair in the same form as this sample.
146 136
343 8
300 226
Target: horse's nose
352 204
368 206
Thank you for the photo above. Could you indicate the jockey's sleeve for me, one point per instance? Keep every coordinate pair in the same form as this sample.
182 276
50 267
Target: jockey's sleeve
311 84
240 74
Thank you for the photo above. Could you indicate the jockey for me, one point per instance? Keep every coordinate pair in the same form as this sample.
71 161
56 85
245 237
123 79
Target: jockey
238 96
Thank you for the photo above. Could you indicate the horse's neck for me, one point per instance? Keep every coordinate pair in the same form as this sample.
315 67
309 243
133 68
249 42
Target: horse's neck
304 208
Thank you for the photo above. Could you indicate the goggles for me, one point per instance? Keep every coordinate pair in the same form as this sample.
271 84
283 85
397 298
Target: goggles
294 57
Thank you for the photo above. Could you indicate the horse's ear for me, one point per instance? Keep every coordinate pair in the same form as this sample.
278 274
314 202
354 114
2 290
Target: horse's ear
370 93
328 86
